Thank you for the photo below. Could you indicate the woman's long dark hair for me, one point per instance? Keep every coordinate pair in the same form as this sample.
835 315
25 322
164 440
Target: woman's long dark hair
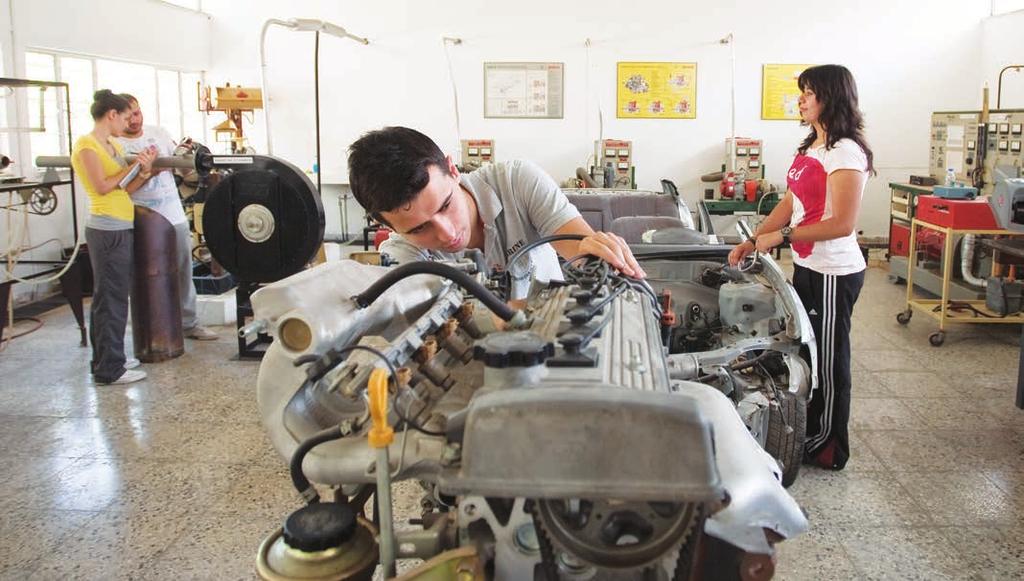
836 91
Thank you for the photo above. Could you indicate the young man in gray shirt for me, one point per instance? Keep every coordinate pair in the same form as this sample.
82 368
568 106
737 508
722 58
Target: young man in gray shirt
402 179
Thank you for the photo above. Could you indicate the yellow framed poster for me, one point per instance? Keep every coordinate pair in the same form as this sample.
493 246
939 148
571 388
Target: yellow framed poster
656 90
779 92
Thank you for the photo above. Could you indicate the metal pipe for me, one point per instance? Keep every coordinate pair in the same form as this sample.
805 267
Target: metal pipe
999 85
307 24
263 78
967 262
172 162
387 534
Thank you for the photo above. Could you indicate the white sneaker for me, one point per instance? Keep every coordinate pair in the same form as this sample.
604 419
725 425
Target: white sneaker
129 376
200 333
131 363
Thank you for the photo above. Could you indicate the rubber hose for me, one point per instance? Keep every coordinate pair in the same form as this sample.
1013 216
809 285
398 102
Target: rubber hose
299 479
366 298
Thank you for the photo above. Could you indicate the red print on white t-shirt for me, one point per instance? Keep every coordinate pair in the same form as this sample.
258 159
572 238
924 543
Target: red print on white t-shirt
808 182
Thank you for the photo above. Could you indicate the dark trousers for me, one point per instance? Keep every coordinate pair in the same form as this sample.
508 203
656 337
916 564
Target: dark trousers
829 301
110 252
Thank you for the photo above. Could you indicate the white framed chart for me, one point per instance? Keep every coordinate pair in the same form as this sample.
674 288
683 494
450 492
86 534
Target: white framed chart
520 90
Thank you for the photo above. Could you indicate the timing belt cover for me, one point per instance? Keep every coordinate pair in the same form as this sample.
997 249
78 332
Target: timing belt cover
264 221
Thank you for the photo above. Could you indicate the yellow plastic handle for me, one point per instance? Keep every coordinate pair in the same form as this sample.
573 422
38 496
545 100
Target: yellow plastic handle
381 434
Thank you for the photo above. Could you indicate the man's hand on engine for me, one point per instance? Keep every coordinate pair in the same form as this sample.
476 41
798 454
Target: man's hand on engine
614 250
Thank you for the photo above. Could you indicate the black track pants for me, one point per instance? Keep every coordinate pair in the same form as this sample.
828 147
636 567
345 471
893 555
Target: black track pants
110 252
829 301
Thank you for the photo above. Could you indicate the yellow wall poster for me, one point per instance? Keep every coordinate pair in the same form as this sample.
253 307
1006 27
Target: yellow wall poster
656 91
779 92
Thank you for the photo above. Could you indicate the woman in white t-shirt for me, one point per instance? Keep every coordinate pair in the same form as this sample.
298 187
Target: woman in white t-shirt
817 217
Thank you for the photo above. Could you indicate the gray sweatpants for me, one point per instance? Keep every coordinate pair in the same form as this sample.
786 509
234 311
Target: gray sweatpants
186 288
112 257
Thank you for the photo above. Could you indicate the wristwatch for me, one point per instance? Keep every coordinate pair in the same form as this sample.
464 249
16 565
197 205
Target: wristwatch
786 231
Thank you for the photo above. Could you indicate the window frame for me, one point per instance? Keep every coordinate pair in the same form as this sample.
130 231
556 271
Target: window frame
179 72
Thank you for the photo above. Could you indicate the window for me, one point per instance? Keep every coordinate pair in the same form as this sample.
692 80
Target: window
167 97
43 103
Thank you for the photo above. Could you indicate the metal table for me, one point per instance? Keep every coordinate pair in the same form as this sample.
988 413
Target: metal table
1013 247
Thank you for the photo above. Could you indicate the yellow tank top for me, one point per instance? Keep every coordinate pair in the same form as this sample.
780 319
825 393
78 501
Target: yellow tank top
116 203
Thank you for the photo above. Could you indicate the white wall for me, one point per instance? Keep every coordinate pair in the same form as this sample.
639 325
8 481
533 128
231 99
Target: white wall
904 67
1002 45
146 31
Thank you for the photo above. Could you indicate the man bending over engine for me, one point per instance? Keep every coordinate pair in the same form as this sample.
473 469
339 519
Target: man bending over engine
403 180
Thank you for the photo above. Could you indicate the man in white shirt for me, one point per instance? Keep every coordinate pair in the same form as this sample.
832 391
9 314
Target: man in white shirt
160 194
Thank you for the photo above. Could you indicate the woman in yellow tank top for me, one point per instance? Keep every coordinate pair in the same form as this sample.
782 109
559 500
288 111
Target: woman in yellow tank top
109 180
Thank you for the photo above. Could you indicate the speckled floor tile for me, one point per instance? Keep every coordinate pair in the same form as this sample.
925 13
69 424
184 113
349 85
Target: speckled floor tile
917 385
884 414
49 437
954 414
959 498
862 458
895 360
129 485
991 553
1009 480
195 441
213 546
30 534
912 450
866 384
114 545
827 497
902 554
813 556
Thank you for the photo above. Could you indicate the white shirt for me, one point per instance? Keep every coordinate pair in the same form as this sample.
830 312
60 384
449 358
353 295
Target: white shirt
160 193
812 203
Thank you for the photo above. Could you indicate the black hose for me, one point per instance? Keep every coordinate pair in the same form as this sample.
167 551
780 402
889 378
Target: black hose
299 479
545 240
492 302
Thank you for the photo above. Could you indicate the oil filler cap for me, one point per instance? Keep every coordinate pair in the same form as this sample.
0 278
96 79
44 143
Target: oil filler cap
514 349
320 526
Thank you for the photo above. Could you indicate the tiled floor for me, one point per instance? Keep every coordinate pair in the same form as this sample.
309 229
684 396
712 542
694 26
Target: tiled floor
174 478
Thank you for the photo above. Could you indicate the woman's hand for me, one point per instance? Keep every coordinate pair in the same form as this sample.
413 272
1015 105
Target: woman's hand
614 250
768 240
742 249
145 159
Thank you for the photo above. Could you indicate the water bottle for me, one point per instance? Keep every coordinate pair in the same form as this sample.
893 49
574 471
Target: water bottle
950 177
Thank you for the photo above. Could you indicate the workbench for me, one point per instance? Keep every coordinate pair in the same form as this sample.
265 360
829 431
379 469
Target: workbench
942 309
1012 247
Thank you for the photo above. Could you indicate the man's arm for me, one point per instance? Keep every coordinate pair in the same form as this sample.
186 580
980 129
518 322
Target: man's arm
545 203
606 246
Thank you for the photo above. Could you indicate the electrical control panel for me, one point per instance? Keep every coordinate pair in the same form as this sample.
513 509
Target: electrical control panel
960 141
619 153
749 156
477 152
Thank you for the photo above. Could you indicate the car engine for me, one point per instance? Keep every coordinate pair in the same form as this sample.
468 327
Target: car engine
604 430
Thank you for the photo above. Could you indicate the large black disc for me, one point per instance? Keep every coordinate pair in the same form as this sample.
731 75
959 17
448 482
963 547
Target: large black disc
264 221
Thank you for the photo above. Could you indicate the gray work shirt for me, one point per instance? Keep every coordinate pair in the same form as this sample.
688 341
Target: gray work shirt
518 203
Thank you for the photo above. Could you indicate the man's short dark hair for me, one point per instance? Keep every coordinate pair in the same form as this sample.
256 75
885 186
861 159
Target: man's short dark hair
130 98
388 167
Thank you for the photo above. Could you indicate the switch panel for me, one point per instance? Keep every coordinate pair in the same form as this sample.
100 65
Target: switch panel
961 141
477 152
748 157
